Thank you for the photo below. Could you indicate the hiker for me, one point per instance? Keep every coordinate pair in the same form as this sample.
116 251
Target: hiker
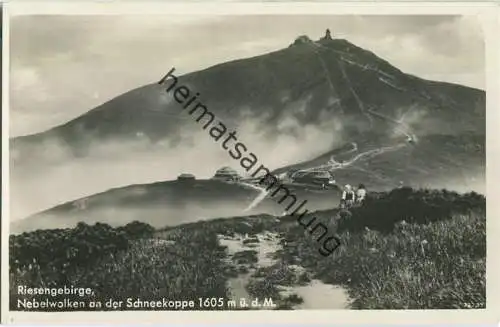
328 34
347 197
360 193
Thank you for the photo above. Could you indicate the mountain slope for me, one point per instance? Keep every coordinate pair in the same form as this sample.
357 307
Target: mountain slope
311 82
442 161
170 203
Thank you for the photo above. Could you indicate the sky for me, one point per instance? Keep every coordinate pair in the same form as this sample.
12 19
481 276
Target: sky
63 66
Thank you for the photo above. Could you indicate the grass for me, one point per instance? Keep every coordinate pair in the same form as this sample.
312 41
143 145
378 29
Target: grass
188 267
437 265
425 250
421 265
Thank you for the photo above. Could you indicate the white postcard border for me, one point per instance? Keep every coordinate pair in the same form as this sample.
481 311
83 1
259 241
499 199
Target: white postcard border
491 25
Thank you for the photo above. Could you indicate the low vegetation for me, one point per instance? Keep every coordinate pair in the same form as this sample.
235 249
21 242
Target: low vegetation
428 259
382 211
405 249
119 263
247 257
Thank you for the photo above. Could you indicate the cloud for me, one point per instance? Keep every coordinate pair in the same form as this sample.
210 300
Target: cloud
58 177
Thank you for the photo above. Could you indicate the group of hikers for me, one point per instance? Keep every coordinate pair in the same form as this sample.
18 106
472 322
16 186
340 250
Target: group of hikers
351 196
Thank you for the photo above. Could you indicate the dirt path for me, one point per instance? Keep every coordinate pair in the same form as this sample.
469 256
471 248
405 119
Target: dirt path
315 295
267 246
318 295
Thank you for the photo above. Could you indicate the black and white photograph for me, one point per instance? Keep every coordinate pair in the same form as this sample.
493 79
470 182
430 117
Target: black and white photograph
196 162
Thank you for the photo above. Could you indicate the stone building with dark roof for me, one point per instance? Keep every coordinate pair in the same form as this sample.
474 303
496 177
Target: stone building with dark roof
186 177
227 174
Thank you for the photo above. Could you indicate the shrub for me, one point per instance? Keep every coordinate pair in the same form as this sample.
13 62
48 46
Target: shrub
382 211
136 229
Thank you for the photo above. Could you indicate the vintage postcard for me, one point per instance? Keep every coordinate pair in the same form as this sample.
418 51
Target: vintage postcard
225 163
